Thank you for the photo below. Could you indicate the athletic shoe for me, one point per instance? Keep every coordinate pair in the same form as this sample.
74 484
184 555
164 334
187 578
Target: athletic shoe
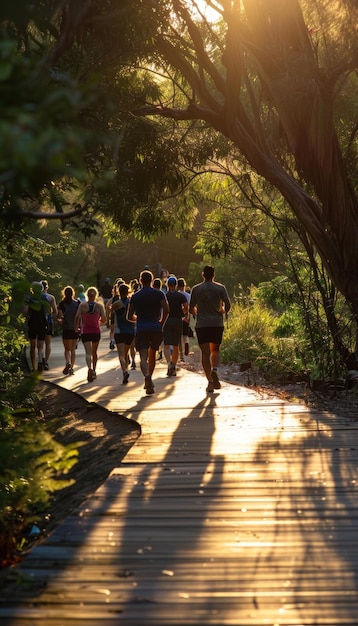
216 381
125 378
66 369
171 370
94 375
45 364
210 387
133 365
70 371
90 376
112 345
148 385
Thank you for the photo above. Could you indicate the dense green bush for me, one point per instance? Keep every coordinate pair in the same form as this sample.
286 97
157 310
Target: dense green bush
301 316
249 333
283 330
251 336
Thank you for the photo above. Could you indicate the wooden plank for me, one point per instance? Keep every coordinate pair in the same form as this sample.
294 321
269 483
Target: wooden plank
148 613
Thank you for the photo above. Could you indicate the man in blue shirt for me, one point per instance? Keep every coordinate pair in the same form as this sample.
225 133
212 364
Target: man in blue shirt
149 308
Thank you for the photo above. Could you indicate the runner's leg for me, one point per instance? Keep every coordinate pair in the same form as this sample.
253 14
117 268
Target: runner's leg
94 354
88 346
205 359
151 360
214 355
144 361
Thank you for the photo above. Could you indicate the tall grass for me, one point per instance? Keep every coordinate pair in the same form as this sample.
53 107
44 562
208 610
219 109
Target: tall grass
251 336
248 334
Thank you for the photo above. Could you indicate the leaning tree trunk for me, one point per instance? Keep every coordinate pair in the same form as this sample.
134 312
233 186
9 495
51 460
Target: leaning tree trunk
303 96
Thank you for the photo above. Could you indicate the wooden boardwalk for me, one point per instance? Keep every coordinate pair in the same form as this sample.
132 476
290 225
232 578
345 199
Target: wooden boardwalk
231 509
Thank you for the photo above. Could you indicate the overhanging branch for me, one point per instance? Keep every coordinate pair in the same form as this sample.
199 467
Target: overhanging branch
57 215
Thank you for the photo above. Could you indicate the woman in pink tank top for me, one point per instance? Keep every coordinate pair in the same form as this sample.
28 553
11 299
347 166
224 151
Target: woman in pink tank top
89 316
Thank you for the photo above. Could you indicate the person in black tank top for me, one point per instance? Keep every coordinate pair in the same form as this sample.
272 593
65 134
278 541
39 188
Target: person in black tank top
67 310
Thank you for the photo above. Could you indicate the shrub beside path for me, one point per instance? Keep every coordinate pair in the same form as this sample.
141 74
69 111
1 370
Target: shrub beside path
230 508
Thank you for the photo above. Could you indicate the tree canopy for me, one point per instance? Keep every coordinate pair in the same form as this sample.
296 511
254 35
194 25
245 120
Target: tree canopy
279 80
71 148
123 103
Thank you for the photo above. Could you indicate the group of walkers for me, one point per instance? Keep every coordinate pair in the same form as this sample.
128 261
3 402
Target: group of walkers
146 316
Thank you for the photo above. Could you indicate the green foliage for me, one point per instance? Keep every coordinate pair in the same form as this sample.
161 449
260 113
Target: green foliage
288 323
298 303
32 468
32 462
249 333
147 194
12 343
283 331
69 147
277 293
251 337
76 82
28 140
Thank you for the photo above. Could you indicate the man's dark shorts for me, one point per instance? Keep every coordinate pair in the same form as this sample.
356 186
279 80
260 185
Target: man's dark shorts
37 332
173 332
125 338
148 339
210 334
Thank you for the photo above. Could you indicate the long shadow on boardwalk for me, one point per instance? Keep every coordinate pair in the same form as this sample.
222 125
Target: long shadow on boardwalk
312 504
118 528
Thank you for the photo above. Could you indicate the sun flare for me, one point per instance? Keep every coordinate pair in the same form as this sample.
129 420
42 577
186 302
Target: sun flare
201 8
